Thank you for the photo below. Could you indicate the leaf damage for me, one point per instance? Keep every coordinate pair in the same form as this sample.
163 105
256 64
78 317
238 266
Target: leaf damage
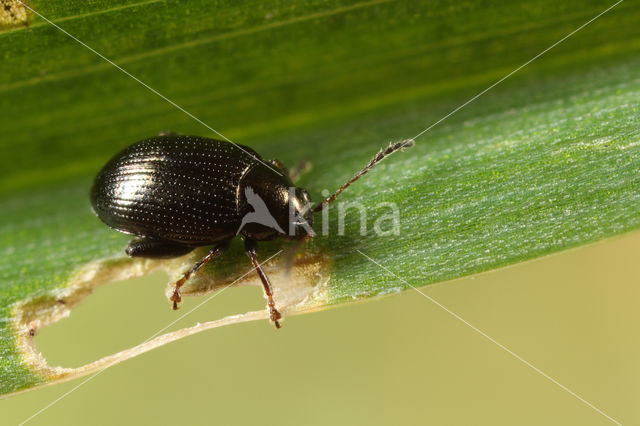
303 289
14 13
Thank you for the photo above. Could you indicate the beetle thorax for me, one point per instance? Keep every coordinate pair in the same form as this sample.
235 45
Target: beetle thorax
271 207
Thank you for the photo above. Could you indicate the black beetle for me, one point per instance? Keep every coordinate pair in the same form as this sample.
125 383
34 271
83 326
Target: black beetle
177 192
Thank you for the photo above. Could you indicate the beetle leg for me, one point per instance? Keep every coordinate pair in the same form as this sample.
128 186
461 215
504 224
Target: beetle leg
301 168
295 173
158 249
167 133
214 252
274 315
279 165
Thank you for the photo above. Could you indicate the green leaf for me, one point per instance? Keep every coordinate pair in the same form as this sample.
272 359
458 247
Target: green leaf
545 161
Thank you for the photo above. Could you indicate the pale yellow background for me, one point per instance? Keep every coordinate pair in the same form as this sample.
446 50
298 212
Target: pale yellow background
400 360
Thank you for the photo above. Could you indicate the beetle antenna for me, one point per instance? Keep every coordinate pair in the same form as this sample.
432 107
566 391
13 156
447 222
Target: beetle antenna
393 147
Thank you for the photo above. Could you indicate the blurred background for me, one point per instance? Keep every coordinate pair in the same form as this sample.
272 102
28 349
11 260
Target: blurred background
397 360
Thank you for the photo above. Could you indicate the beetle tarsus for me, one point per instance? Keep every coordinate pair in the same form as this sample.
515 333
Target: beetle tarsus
274 316
176 297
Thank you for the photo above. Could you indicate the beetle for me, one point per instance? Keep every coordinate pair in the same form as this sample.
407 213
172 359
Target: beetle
177 192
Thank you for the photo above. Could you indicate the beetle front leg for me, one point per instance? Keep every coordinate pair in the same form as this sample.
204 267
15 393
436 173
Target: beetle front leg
301 168
294 174
274 315
176 298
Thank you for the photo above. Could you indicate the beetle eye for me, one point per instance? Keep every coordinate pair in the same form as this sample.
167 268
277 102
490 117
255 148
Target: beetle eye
304 198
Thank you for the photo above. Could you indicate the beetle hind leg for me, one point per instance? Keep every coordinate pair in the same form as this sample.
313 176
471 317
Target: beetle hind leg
156 249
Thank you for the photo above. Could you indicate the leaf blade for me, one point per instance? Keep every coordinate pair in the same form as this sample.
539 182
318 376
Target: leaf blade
493 177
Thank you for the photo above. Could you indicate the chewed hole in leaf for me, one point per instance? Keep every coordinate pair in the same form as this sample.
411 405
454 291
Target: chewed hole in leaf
141 307
125 313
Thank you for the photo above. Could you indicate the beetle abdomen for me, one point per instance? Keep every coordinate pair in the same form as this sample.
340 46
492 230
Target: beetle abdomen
178 188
